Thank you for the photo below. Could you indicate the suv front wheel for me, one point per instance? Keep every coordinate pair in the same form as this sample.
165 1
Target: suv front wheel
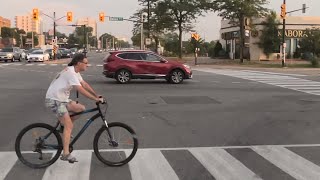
123 76
176 76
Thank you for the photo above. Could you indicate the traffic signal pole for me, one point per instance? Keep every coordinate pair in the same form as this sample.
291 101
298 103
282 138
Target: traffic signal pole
283 38
54 34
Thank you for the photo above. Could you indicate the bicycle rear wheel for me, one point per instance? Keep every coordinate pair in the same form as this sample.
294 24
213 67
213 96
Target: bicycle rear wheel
120 149
38 145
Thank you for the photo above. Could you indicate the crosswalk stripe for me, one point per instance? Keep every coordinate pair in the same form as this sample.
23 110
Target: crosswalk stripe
61 170
291 163
7 159
99 65
286 74
222 165
276 79
151 164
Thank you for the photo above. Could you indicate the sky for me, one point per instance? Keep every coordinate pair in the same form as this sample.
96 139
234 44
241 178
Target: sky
207 26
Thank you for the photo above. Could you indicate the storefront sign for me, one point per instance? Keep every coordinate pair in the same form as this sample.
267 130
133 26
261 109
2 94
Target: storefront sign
293 33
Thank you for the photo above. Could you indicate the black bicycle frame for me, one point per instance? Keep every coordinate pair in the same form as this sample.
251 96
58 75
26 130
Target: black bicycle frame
90 120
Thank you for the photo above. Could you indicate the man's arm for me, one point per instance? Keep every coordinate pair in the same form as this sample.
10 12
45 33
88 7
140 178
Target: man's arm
89 88
86 93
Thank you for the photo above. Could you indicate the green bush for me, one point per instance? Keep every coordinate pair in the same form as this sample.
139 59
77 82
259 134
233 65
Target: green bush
315 62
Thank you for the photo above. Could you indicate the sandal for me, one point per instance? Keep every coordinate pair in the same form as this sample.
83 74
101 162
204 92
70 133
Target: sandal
69 158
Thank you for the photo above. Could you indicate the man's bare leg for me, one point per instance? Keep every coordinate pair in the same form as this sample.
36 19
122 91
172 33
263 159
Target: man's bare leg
75 108
68 126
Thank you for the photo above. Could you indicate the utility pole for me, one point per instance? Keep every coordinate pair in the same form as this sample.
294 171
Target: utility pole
84 41
148 18
54 35
283 16
32 44
283 11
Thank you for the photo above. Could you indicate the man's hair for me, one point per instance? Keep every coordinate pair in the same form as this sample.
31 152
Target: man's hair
78 57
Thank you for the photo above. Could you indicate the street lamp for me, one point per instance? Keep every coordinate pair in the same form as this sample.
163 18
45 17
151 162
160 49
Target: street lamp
144 14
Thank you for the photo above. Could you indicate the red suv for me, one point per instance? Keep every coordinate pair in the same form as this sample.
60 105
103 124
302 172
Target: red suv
127 65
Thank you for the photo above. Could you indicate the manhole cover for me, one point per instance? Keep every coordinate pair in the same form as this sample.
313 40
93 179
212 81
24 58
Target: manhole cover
189 100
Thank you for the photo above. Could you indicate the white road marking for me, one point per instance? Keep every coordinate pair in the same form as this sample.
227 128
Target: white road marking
7 159
291 163
63 170
151 164
222 165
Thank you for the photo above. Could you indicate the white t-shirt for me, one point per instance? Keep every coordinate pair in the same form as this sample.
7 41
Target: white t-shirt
61 85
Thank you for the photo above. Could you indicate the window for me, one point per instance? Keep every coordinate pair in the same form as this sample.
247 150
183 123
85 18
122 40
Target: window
134 56
123 56
151 57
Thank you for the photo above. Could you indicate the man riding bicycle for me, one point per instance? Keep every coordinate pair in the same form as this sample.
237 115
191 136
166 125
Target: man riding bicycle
57 98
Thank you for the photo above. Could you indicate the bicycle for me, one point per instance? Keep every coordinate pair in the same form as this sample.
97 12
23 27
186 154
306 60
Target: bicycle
44 143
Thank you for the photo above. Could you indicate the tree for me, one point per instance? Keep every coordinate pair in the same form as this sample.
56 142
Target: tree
156 26
72 40
311 43
171 43
6 32
35 38
182 13
237 10
269 40
81 34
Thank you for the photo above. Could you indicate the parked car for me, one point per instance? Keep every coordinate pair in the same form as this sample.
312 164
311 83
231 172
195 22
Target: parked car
65 53
73 51
127 65
50 52
38 55
10 53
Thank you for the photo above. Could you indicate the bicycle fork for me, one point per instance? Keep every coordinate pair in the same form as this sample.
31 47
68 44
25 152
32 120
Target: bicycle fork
112 142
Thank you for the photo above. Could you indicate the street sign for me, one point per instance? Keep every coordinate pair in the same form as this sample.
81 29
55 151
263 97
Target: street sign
148 41
115 18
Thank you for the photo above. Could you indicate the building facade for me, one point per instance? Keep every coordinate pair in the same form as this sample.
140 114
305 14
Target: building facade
4 22
90 23
28 24
295 30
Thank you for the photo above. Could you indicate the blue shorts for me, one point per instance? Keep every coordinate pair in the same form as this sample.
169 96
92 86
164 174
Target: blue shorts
57 107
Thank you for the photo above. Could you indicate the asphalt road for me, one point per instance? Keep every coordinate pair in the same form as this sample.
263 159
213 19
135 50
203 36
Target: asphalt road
211 110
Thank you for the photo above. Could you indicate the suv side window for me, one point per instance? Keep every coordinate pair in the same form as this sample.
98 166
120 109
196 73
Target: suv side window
123 56
134 56
151 57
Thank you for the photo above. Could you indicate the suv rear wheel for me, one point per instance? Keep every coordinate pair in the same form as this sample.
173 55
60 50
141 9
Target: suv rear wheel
176 76
123 76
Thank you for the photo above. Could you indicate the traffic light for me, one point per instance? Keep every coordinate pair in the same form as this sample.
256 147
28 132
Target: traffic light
304 8
283 11
101 17
195 36
35 14
69 16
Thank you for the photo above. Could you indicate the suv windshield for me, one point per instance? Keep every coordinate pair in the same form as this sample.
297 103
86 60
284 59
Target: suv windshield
7 50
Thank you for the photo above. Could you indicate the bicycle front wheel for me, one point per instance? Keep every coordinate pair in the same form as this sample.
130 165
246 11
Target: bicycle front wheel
38 145
118 149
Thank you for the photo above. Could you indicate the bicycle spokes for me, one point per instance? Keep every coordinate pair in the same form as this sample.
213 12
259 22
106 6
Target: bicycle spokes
37 146
115 145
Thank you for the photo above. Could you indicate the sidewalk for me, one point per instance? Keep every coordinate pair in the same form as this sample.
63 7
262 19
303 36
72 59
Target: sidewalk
293 66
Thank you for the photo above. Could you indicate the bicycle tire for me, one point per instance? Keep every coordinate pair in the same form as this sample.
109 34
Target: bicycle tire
129 156
29 128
